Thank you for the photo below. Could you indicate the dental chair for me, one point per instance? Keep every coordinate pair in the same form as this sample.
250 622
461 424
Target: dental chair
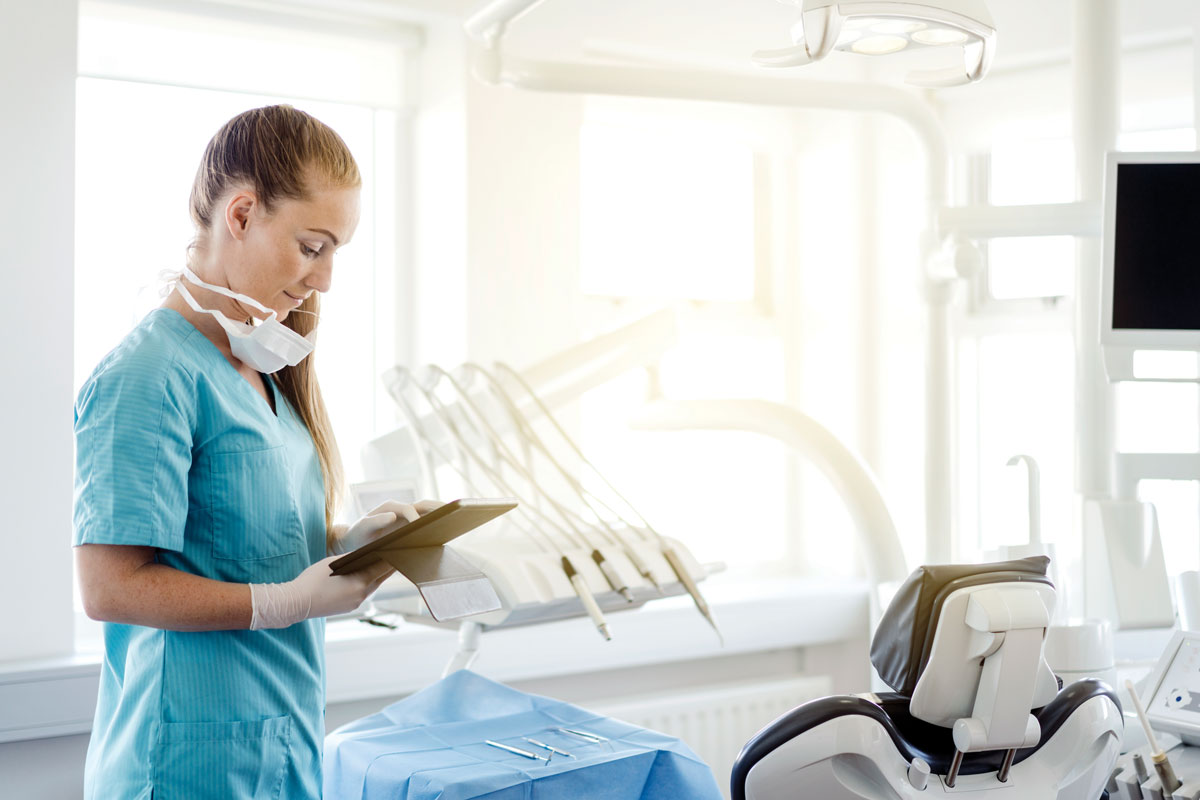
975 709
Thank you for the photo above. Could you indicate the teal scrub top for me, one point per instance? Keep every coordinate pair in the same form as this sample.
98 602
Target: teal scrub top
176 451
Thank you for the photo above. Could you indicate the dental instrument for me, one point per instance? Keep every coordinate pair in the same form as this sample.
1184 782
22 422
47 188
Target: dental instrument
595 737
533 440
516 750
532 583
1162 765
589 601
552 749
672 557
577 582
615 580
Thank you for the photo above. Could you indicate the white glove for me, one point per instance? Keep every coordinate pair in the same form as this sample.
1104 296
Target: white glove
316 592
383 516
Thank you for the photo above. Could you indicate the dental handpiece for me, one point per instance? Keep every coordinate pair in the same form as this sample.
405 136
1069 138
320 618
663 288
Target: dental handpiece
1166 773
585 595
610 575
681 572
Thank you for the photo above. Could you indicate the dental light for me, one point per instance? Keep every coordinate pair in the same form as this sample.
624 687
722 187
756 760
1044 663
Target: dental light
880 27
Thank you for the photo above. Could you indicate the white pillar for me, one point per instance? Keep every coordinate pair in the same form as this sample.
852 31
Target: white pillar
37 212
1096 94
1096 115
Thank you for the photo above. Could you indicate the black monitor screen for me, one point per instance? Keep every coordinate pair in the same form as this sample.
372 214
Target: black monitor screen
1156 249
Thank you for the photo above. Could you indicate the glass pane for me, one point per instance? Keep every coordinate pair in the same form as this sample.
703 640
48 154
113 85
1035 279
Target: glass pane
1032 171
1031 266
1167 141
723 493
1177 504
273 55
1025 406
665 216
1158 417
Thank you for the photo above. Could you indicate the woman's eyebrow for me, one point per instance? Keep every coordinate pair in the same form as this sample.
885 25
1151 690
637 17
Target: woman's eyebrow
333 238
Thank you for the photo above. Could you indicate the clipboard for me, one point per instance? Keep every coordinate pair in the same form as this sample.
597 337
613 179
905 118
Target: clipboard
450 585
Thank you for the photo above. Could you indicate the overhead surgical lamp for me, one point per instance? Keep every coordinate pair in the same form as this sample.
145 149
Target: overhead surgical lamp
880 27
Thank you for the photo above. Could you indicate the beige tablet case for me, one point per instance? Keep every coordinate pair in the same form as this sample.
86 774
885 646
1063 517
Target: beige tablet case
449 584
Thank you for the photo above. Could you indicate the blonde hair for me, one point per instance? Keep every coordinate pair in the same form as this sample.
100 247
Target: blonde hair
278 151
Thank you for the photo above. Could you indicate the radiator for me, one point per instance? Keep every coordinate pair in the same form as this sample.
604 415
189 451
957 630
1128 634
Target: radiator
716 721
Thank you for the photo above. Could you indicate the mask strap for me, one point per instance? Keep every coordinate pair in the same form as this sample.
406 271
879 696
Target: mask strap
225 322
232 295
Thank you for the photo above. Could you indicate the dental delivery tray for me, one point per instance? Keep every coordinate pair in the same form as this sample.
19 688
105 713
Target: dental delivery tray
450 585
533 587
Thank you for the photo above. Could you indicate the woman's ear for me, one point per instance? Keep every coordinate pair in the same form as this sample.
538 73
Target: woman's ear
238 211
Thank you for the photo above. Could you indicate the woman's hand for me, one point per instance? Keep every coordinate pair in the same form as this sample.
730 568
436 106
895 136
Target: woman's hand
368 527
315 592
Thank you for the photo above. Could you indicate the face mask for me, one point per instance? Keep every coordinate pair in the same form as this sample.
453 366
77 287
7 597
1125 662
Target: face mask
268 346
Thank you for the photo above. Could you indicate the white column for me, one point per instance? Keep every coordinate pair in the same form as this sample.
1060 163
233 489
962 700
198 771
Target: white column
1096 92
37 204
1096 114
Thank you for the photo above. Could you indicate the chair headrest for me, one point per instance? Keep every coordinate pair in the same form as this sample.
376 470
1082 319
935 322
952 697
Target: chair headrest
902 643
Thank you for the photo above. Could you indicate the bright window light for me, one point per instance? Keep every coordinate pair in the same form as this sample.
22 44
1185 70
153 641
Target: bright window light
1032 171
666 212
1023 386
1175 503
1172 140
1031 266
724 494
1158 417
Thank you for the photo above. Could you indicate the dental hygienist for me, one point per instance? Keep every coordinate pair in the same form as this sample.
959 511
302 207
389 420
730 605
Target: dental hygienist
206 479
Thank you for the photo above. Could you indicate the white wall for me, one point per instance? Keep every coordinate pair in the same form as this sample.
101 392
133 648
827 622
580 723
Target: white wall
37 160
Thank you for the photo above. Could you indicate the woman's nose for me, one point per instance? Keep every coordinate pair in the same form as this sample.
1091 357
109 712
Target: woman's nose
321 278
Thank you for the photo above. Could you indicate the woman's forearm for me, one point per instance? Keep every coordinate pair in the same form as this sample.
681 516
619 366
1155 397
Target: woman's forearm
122 583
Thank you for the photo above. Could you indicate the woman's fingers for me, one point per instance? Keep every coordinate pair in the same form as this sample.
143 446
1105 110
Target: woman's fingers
425 506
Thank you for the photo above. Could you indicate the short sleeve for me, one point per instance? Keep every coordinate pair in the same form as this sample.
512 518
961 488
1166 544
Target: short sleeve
133 451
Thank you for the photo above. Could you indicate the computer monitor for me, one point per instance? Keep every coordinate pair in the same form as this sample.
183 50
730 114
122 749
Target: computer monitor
1151 252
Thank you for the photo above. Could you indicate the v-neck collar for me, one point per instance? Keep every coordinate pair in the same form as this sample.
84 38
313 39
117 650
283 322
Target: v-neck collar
237 376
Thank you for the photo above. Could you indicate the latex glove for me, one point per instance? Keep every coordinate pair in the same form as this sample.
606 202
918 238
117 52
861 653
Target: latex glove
371 524
383 516
315 592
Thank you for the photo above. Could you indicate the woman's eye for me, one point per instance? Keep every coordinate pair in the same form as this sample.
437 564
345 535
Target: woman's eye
308 251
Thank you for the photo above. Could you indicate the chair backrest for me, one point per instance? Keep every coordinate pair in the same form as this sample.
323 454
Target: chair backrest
986 671
964 643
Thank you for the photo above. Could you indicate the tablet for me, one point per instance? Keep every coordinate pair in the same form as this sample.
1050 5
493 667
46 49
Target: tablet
435 528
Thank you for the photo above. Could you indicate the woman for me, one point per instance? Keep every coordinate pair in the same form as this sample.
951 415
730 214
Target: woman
206 480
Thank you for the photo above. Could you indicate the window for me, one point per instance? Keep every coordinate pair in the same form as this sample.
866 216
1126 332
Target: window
668 214
153 88
753 228
1016 369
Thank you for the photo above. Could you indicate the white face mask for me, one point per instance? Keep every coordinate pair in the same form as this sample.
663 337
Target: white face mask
268 346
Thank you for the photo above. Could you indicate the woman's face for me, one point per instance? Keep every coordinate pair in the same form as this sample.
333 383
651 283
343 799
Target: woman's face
287 254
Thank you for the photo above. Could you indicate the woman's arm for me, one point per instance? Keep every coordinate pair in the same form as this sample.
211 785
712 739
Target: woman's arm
122 583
